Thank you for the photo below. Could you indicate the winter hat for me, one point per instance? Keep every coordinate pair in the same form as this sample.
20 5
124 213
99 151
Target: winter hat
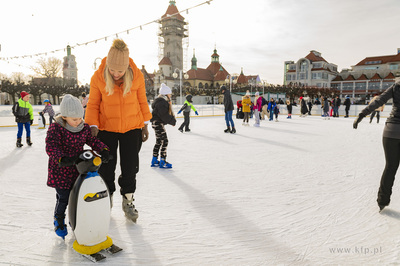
118 56
71 107
23 94
247 93
223 88
165 90
301 98
46 101
257 93
189 98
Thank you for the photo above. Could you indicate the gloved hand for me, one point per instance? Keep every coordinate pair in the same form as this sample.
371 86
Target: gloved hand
105 156
67 161
196 112
31 122
358 120
180 111
94 131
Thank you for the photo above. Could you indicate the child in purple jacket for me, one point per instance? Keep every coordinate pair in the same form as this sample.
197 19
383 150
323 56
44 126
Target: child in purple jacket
64 142
47 109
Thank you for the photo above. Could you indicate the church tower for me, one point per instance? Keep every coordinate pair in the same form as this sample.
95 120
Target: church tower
172 31
70 71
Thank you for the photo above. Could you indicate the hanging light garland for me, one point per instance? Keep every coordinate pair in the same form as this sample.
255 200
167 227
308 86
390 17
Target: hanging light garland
105 38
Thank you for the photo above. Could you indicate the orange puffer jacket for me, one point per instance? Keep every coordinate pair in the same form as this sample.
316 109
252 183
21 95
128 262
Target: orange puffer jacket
116 113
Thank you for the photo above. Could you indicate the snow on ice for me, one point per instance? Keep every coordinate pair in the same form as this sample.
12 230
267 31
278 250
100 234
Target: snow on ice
294 192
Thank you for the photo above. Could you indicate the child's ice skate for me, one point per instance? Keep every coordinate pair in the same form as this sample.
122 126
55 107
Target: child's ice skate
165 164
59 226
155 162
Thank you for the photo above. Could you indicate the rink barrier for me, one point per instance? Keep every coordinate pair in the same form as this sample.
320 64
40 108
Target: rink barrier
205 110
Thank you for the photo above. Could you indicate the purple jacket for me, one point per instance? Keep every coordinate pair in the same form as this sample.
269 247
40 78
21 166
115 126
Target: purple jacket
59 143
258 104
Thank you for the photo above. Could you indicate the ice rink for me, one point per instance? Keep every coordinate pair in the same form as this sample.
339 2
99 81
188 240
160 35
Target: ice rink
293 192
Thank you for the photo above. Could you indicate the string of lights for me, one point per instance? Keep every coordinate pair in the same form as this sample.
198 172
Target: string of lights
140 27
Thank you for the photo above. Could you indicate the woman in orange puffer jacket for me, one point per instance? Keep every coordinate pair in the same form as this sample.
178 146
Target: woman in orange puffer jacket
118 114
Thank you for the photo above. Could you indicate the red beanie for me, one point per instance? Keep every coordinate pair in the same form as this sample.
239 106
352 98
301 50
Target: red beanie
23 94
301 98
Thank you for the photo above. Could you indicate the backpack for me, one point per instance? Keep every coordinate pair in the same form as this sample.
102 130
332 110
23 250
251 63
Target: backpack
15 109
263 101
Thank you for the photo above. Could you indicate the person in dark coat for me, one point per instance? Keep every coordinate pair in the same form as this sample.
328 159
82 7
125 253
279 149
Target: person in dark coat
347 103
228 108
390 140
309 103
336 105
303 107
325 107
162 115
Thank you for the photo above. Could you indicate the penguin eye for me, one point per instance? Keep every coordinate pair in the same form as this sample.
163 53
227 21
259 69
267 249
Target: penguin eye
87 155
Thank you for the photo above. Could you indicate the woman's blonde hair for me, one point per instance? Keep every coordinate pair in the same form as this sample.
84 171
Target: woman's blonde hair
128 80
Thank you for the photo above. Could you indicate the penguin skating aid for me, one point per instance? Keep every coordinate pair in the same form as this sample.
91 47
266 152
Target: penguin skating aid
89 210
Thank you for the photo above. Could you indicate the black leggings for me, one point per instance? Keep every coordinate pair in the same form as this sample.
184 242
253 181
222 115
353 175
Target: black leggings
129 144
161 140
392 156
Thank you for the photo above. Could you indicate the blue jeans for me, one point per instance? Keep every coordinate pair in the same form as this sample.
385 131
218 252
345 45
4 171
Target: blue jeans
228 118
21 128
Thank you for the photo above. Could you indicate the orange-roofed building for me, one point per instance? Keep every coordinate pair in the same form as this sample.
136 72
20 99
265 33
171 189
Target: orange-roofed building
369 76
310 71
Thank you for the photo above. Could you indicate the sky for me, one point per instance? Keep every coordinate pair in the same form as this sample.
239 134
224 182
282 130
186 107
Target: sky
294 192
256 35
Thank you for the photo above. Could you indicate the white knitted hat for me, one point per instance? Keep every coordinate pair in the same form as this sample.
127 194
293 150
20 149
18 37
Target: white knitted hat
71 107
165 90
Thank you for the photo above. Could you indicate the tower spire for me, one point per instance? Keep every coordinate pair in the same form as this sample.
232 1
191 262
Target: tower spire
194 61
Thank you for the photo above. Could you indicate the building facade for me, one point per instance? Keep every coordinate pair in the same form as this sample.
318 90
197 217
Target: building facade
370 76
310 71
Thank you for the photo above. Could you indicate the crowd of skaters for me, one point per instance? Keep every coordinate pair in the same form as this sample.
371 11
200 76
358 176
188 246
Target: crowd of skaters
259 107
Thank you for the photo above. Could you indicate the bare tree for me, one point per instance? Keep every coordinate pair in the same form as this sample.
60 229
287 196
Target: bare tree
19 78
48 68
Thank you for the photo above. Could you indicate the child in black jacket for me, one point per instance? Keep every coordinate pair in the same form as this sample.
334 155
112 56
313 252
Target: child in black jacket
162 115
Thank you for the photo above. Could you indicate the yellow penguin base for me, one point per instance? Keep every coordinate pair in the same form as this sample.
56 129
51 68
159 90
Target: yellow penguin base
88 250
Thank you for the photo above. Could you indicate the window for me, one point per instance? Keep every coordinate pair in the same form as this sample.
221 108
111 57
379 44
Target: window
288 77
386 85
200 85
361 86
394 67
371 67
373 86
304 66
317 65
348 86
373 62
335 85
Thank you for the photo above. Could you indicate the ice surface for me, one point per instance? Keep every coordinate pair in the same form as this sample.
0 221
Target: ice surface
294 192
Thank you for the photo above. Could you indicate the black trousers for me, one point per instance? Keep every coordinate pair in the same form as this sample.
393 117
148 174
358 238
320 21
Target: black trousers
129 144
62 197
392 155
186 121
